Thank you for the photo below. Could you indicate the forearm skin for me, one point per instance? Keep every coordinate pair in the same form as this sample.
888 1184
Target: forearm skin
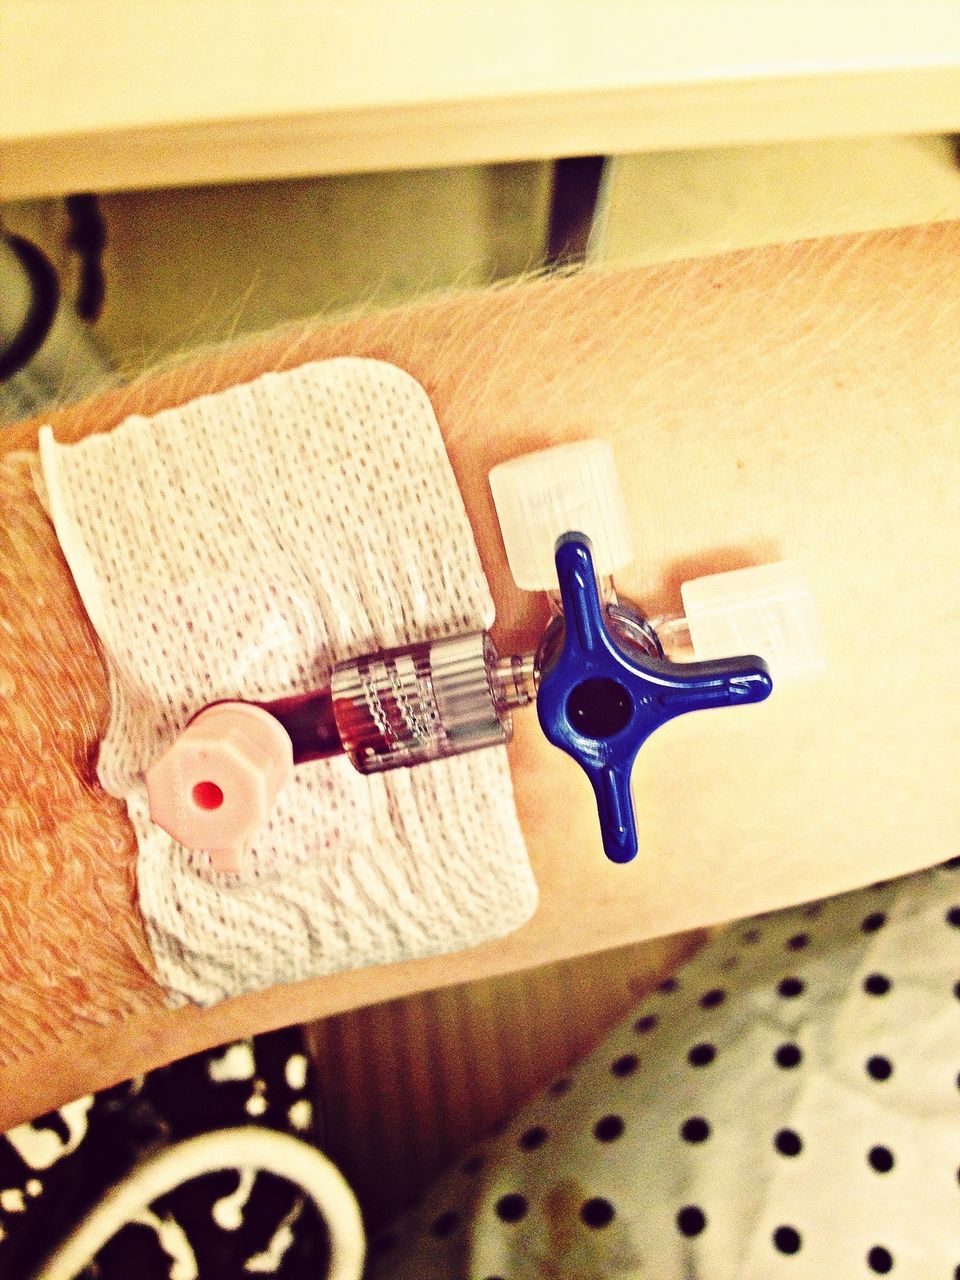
791 402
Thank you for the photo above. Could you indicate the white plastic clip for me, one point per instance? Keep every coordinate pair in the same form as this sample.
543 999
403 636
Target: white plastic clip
571 488
766 609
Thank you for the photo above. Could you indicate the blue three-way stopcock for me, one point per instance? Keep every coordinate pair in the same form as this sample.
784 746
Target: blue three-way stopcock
600 703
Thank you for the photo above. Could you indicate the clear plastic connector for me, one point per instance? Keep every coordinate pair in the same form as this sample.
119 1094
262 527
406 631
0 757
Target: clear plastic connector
542 496
766 609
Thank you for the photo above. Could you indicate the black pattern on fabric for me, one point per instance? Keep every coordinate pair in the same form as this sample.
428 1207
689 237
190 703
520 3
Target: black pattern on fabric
826 1074
786 1108
55 1169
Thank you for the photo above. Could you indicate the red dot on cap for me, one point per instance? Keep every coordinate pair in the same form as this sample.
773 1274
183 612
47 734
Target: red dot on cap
207 795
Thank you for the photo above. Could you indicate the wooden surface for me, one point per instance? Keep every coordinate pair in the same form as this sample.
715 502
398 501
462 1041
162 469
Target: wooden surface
405 1087
110 94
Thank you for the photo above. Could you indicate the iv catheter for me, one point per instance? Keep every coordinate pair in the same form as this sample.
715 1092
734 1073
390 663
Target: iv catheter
602 677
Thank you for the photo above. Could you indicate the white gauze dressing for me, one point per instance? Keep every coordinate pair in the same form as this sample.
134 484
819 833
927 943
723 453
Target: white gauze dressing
237 547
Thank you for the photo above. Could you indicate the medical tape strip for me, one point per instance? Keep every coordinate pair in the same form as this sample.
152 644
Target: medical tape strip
236 547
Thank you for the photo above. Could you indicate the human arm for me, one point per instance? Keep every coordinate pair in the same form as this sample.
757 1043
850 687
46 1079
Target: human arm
790 402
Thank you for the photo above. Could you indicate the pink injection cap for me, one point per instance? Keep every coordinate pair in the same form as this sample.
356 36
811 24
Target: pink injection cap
217 784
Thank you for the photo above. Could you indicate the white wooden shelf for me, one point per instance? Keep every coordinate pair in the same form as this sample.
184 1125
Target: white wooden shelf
118 94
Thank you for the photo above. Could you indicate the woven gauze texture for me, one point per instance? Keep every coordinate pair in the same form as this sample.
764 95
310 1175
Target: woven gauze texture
237 547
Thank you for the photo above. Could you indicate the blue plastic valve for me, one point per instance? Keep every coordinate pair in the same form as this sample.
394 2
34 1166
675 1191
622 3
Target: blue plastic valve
600 703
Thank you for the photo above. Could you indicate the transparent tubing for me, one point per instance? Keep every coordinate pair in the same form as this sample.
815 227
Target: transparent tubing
673 632
405 706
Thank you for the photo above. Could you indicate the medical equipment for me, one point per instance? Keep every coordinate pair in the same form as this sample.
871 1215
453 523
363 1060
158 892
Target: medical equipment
603 676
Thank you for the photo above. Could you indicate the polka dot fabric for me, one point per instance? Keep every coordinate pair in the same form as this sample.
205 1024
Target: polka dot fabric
774 1111
238 546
